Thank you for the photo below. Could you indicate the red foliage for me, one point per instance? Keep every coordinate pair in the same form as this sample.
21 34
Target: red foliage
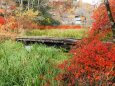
2 20
93 61
112 3
101 18
12 7
61 27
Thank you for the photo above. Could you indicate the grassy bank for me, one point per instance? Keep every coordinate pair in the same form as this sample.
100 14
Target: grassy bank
33 67
68 33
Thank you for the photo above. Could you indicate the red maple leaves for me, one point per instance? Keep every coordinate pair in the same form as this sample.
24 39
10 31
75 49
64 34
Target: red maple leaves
93 61
2 20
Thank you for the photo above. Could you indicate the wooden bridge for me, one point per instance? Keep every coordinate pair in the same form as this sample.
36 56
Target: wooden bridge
49 41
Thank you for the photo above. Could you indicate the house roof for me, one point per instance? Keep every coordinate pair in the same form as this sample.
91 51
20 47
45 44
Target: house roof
80 12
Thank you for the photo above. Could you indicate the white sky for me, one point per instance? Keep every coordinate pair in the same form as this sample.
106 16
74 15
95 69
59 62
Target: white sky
92 1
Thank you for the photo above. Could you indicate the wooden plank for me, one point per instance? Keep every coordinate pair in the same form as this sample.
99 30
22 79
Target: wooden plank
52 41
47 39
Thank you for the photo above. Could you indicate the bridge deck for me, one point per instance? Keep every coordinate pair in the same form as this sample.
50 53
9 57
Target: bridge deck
59 42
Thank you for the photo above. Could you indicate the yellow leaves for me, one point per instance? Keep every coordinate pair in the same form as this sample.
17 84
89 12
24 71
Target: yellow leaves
48 20
29 13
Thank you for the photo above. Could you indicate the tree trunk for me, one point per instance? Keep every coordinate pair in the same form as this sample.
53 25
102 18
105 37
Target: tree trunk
32 4
110 16
38 4
28 4
21 4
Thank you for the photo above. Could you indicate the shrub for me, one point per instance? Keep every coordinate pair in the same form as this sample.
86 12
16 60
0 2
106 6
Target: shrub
92 64
93 61
26 18
49 21
2 20
101 19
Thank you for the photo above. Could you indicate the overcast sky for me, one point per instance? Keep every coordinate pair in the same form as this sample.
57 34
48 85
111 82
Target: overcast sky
92 1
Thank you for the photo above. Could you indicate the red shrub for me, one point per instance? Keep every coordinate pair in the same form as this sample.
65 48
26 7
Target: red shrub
101 19
2 20
61 27
93 61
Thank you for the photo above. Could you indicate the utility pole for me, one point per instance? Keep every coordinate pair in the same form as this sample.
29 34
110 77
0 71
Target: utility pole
110 17
38 4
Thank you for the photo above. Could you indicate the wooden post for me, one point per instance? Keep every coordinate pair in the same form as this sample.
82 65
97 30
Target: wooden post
110 17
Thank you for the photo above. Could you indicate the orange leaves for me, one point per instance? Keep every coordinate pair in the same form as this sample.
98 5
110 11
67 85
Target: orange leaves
112 5
2 11
112 2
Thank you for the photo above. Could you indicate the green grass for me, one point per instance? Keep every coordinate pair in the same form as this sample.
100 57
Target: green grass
69 33
22 67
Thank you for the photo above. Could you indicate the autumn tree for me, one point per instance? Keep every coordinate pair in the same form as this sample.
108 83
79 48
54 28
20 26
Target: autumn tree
111 14
93 61
104 17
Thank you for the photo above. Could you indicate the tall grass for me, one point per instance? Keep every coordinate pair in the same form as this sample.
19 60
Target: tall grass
68 33
36 67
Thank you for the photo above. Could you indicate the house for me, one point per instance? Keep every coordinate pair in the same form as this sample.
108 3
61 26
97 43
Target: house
66 11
